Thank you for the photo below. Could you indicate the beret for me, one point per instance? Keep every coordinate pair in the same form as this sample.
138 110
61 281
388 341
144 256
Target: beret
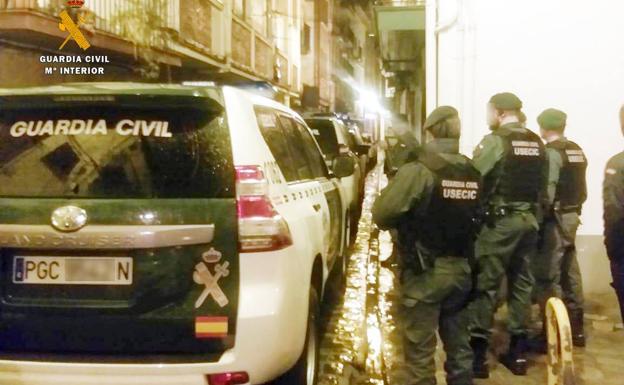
506 101
552 119
440 114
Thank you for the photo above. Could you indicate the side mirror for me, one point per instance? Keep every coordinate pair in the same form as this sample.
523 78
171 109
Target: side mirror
343 166
343 149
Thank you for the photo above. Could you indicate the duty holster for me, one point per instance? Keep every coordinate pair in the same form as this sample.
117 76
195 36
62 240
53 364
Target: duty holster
414 256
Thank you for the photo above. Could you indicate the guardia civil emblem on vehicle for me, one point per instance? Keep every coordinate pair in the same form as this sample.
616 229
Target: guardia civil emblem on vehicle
69 218
203 276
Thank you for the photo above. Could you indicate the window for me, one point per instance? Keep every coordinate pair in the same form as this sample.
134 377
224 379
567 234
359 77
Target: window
276 140
346 137
194 160
297 147
306 39
239 8
259 10
325 134
317 162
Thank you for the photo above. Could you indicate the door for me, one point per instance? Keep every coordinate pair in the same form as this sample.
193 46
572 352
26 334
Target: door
330 189
118 229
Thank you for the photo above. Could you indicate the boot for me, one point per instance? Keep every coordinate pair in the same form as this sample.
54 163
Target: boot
578 330
515 358
539 343
479 365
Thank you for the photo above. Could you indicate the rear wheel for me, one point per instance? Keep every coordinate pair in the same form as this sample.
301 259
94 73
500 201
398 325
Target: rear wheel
353 220
305 371
347 234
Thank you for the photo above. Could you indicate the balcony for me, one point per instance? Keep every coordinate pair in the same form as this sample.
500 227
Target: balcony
34 24
189 34
401 32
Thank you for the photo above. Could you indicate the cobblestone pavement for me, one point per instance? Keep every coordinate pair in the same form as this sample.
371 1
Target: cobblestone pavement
362 343
350 348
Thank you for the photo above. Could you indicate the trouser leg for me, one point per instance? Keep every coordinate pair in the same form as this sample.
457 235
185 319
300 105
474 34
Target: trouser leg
419 330
546 266
521 284
617 272
456 339
483 306
571 280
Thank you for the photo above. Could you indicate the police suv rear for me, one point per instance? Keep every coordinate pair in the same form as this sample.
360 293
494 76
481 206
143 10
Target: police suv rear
161 234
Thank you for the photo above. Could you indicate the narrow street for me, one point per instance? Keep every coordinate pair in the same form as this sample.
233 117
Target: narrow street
186 190
362 342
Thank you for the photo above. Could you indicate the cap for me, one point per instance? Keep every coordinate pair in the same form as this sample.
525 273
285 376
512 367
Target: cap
440 114
552 119
506 101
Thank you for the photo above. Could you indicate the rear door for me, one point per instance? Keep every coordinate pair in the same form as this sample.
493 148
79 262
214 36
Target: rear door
280 133
118 229
330 191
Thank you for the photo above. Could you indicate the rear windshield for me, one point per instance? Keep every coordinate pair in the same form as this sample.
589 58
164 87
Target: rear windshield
115 151
325 134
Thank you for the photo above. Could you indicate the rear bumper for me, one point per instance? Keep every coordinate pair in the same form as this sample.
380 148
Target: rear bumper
270 336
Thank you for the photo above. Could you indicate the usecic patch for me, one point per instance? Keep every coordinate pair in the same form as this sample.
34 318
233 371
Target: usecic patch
211 327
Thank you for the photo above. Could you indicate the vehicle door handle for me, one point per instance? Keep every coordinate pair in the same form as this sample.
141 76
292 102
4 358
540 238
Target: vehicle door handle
317 207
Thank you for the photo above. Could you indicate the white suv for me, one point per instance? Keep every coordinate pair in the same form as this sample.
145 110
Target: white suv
333 137
162 234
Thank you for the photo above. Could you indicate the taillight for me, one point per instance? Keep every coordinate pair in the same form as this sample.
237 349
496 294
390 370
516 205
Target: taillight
260 226
236 378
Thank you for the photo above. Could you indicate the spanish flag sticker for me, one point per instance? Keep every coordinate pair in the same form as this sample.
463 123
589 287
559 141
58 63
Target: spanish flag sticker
211 327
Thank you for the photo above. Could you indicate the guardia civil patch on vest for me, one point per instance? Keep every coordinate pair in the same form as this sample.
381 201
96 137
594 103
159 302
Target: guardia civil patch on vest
525 148
572 184
452 209
519 173
459 189
575 156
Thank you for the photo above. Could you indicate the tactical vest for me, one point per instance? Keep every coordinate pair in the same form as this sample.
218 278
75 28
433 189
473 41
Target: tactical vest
448 225
520 176
571 187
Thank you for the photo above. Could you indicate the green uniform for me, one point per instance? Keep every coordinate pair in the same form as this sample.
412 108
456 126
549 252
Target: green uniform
433 299
397 156
503 248
556 268
613 193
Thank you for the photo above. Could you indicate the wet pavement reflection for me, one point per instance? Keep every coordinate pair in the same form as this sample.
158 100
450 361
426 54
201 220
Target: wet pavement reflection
362 342
350 348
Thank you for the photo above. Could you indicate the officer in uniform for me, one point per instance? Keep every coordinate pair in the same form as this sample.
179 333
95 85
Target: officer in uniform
556 268
613 197
512 162
401 149
432 202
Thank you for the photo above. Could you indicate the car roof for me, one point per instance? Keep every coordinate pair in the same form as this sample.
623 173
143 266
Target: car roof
112 88
266 102
321 118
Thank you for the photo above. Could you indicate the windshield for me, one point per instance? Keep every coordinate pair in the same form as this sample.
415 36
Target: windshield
115 151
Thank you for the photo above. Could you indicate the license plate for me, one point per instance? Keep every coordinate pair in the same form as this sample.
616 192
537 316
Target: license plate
72 270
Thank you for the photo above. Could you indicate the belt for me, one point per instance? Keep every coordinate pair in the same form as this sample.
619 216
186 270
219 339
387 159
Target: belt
503 211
